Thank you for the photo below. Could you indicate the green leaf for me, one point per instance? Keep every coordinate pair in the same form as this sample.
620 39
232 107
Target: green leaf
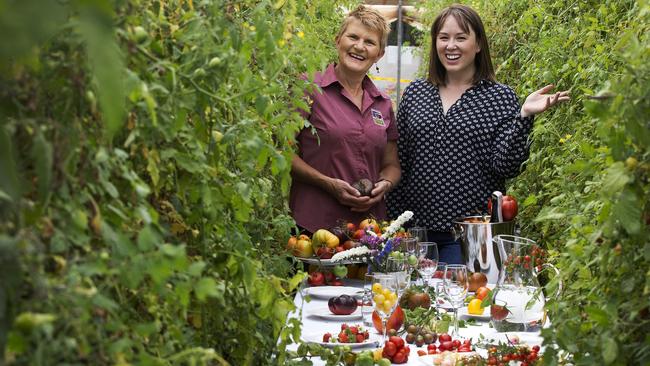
206 287
598 315
628 210
107 65
9 178
616 177
148 238
196 268
610 349
105 303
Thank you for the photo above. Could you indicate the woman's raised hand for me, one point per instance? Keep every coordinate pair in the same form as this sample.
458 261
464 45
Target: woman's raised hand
539 101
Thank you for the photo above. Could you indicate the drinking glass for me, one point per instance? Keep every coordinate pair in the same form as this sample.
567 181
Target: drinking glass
418 232
410 247
398 267
455 286
427 261
366 300
384 298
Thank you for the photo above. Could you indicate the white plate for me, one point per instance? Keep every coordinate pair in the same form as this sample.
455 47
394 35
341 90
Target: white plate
318 339
324 312
328 262
455 356
485 316
325 292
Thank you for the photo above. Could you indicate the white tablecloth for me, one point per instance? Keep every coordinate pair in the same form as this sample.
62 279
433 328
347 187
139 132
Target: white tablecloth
315 326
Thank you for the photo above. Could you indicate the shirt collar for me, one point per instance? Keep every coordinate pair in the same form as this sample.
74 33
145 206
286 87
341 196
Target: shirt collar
329 77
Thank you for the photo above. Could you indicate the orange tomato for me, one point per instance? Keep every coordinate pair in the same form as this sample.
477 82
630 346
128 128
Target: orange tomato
482 292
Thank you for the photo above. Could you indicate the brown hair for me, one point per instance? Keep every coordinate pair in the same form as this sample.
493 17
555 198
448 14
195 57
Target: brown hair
468 19
370 18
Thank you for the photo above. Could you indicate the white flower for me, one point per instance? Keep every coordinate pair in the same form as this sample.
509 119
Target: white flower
397 224
359 251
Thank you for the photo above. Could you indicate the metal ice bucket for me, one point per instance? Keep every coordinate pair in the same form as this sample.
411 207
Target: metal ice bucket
479 252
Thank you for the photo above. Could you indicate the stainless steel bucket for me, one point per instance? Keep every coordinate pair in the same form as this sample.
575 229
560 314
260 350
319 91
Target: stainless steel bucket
479 252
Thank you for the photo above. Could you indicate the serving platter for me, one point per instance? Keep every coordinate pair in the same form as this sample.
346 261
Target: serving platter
328 262
324 312
485 316
318 339
325 292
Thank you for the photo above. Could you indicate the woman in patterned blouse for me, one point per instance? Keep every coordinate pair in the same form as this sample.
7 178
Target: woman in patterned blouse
461 134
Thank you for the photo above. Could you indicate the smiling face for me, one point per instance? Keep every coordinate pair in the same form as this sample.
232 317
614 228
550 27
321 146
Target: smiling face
358 47
456 49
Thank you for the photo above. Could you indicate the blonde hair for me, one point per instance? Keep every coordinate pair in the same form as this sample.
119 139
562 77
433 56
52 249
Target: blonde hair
370 18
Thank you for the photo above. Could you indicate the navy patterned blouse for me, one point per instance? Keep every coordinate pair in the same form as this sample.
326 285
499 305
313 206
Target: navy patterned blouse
451 163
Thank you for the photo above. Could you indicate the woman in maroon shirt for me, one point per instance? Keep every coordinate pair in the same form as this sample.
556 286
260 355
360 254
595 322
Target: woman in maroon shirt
356 133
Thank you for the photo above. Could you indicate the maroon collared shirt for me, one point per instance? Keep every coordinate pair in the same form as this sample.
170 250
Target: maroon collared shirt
349 145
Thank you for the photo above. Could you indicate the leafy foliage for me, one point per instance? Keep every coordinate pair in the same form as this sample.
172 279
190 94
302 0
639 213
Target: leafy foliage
145 151
585 188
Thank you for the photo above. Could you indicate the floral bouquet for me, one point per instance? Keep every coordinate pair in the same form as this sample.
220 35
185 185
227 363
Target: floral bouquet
375 249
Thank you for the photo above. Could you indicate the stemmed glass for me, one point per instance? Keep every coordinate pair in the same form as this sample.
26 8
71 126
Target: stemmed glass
418 232
384 298
366 299
427 261
399 268
455 286
410 246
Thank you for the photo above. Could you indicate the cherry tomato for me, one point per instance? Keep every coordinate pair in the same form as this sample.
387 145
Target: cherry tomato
390 349
398 341
536 348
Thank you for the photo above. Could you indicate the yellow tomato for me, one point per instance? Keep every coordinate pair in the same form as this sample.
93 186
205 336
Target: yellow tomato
474 307
387 306
379 299
376 288
392 297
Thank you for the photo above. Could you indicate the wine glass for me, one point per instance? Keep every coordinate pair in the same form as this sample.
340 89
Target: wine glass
410 247
399 268
455 286
427 261
418 232
366 299
384 298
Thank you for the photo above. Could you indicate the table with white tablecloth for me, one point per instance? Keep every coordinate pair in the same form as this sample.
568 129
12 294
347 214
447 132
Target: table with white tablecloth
316 322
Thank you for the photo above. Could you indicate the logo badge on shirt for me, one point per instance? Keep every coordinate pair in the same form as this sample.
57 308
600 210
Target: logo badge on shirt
377 117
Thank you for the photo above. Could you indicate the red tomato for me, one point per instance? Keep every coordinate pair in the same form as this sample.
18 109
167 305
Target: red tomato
449 345
455 343
444 337
329 277
400 357
390 349
509 208
316 279
399 342
482 292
